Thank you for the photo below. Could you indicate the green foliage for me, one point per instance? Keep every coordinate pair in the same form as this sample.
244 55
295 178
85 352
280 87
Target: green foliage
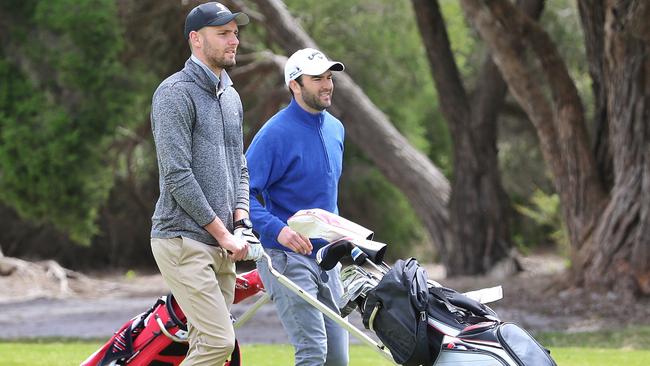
131 275
62 94
464 43
374 203
545 211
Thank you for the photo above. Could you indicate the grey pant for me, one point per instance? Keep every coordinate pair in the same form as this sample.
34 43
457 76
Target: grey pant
317 340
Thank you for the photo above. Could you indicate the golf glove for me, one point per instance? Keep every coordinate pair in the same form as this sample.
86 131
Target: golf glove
255 250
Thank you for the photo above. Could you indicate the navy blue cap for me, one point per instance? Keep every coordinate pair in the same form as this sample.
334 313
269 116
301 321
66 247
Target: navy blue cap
212 13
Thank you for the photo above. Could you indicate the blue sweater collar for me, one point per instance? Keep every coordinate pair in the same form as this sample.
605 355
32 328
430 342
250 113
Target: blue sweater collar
313 120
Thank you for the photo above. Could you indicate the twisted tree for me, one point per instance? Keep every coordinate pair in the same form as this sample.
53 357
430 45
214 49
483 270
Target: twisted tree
607 218
479 207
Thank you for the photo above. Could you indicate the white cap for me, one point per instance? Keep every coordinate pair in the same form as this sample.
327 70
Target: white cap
308 61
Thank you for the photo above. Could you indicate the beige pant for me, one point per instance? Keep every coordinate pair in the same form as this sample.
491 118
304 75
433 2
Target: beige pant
202 279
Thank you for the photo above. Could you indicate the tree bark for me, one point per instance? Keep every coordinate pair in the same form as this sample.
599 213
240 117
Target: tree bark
479 207
408 169
620 253
608 229
592 16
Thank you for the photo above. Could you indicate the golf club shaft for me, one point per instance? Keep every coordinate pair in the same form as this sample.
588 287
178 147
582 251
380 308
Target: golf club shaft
328 312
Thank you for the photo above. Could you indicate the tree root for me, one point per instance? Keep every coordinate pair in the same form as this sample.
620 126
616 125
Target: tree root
28 280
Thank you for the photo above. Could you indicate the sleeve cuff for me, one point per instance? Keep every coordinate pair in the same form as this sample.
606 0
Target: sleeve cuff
243 206
276 227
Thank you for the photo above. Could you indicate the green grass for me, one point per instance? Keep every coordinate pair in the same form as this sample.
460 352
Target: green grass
632 338
630 347
272 355
600 357
58 353
51 353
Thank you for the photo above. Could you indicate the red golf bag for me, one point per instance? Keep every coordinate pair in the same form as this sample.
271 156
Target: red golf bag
159 335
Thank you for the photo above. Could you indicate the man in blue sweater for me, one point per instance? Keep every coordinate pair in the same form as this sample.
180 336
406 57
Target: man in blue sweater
295 163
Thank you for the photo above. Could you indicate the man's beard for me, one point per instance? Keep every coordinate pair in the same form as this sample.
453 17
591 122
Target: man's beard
221 62
313 101
218 61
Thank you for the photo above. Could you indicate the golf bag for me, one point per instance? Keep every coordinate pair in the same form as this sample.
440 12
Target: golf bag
423 324
418 320
158 336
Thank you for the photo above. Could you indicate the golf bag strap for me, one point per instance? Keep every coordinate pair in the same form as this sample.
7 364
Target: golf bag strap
440 295
454 300
422 340
172 314
419 296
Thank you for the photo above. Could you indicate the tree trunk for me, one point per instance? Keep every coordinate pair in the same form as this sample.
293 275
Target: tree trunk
408 169
479 207
592 16
608 232
619 255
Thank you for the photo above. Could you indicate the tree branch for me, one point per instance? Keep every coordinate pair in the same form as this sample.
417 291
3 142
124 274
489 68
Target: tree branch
453 97
592 18
488 97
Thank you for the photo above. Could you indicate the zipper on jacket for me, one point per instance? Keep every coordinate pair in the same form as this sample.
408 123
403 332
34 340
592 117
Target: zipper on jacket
321 120
223 121
225 142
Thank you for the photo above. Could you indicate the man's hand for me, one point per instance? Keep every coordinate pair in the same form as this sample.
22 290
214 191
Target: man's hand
237 247
294 241
255 250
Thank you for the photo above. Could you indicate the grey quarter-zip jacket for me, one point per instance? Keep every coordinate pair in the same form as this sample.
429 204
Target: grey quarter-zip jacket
197 130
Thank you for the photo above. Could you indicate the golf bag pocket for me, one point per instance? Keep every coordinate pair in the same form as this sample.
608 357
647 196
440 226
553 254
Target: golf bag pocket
396 311
156 337
522 347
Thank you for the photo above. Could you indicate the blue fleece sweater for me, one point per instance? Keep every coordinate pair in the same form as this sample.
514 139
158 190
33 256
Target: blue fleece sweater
294 163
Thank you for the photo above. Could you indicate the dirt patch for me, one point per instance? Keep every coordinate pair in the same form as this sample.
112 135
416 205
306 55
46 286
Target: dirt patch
536 299
42 299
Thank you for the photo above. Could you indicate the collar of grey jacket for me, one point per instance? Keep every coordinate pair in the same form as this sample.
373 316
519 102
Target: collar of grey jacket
206 78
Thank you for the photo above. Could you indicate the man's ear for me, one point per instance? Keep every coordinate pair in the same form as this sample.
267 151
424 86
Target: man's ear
195 39
294 86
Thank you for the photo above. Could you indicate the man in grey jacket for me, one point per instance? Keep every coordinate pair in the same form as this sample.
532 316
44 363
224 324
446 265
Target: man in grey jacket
196 119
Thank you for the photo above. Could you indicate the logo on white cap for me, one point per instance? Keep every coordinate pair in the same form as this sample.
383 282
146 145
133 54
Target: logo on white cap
295 73
316 54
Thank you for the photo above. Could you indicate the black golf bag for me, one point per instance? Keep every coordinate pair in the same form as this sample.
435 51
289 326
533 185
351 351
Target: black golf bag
423 324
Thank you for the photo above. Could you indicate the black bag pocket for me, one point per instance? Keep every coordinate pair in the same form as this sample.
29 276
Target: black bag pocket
396 311
522 347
